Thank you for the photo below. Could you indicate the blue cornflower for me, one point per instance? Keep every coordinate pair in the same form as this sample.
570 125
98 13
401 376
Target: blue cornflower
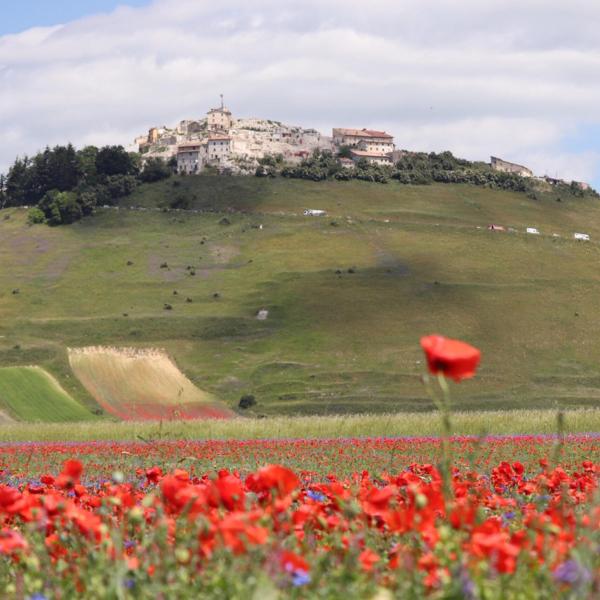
572 572
300 577
316 496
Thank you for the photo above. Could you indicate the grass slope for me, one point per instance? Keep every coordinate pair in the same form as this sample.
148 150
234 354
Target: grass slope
32 394
141 385
421 258
477 423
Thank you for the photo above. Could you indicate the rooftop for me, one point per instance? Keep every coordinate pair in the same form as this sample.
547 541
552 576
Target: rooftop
366 133
188 146
220 109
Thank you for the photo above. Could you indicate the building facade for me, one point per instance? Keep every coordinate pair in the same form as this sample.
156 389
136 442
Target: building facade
372 140
219 119
375 158
218 148
190 159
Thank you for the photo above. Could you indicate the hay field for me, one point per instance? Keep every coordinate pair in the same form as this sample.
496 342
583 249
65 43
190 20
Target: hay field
141 384
32 394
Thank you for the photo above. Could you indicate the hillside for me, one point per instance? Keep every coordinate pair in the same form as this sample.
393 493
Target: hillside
31 394
348 295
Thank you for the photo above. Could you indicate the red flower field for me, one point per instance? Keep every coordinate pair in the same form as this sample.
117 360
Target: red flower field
366 515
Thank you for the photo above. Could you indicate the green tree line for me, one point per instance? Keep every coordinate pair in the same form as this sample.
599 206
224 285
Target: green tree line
63 184
416 168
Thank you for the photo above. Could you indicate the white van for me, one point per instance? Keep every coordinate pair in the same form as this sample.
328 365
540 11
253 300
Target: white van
582 236
533 230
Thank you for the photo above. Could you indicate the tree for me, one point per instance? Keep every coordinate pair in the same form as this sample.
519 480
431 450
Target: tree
87 165
3 197
64 167
18 183
60 207
345 152
114 160
155 169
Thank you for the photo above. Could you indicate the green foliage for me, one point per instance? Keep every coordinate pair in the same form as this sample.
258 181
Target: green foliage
87 164
418 168
35 216
345 152
155 169
92 177
181 201
60 207
115 160
119 186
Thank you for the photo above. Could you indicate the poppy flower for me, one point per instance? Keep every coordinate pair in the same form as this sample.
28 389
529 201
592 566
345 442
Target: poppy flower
452 358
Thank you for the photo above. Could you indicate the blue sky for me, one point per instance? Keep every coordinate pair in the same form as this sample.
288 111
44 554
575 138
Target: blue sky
443 75
24 14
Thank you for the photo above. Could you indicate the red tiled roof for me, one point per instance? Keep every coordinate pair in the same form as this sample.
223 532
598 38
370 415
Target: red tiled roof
188 146
372 133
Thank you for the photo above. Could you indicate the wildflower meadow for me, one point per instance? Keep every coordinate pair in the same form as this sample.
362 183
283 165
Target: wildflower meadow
370 517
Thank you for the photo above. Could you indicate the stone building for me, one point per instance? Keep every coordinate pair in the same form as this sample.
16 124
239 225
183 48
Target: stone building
190 158
218 148
507 167
376 158
219 119
368 140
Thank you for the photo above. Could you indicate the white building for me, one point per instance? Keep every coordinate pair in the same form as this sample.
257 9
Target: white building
218 148
370 139
190 158
377 158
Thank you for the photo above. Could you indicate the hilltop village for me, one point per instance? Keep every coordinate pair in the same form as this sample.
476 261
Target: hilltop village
236 145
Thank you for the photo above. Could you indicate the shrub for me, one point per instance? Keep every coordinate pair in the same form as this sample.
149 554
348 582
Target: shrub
247 401
155 169
36 216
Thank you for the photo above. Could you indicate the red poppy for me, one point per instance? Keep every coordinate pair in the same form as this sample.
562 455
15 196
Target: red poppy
292 562
273 477
368 559
11 541
452 358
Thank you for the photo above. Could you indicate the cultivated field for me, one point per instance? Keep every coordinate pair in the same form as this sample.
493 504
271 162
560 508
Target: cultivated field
32 394
141 385
348 295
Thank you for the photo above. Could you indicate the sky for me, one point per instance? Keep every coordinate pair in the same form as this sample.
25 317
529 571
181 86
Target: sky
516 79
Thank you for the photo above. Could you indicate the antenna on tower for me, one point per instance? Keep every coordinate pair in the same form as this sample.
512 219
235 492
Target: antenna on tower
222 105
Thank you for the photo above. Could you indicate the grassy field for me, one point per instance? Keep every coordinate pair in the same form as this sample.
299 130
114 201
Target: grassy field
31 394
348 295
477 423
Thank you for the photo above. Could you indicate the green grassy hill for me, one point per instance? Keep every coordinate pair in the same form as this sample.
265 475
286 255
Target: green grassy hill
31 394
348 295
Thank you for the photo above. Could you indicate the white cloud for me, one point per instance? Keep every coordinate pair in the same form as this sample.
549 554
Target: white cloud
511 78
